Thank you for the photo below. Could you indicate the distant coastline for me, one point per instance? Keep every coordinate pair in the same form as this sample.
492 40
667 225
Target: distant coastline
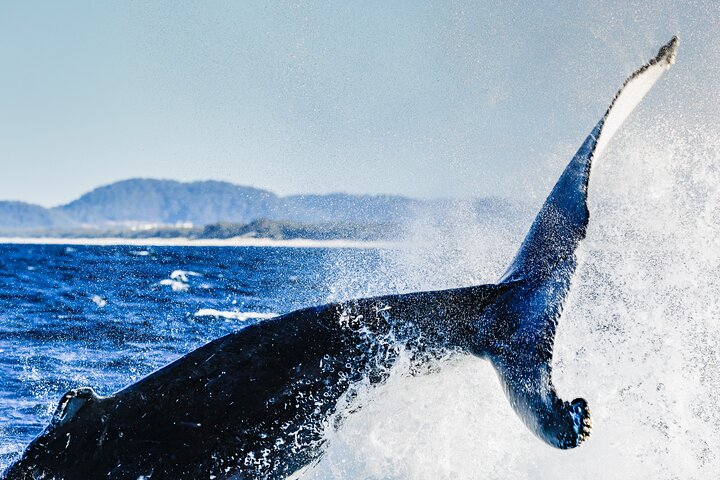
203 242
150 212
137 208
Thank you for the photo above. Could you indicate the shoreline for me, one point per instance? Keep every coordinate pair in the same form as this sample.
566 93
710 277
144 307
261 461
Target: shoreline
207 242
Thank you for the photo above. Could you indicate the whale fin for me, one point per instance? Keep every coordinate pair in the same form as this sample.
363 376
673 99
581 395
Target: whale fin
72 402
563 219
543 269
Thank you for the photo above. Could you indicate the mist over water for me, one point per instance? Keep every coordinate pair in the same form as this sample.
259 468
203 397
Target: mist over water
638 339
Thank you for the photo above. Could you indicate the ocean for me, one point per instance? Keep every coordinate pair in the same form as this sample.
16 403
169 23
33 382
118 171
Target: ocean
639 337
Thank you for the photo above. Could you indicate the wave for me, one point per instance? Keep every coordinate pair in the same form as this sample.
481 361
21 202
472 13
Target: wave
179 280
182 275
176 285
232 315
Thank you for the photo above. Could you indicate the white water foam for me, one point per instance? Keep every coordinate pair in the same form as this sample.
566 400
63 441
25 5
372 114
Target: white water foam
99 301
175 285
179 280
182 275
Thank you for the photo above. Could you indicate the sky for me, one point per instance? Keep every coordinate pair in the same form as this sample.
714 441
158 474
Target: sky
424 99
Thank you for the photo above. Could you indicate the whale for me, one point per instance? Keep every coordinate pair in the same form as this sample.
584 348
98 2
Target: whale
256 403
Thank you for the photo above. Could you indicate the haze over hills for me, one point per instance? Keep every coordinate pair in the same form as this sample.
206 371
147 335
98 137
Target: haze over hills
20 215
138 202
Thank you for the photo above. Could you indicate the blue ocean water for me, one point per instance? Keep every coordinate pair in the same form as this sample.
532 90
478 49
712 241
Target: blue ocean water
105 316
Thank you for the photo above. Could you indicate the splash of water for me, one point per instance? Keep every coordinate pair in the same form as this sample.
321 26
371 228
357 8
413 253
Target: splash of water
638 338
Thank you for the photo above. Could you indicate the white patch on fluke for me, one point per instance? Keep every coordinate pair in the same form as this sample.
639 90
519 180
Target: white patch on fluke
633 91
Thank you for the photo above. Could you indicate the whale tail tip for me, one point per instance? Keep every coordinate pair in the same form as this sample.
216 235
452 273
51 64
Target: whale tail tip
668 52
579 431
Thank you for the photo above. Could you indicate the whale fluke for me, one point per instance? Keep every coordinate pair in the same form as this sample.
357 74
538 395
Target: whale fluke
544 266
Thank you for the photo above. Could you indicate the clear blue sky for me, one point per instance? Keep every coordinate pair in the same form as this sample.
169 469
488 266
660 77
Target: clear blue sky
424 99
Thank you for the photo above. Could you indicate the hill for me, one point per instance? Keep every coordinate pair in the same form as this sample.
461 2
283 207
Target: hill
21 216
151 203
169 202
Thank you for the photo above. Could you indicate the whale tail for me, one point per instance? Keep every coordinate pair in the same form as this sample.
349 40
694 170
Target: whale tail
543 269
